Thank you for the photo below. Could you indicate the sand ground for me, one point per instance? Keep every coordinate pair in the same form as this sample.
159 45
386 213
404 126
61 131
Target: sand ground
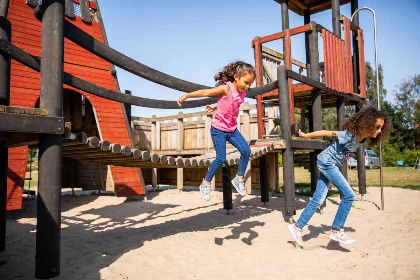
176 235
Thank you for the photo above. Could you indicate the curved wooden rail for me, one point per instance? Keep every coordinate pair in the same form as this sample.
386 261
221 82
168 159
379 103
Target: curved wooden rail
34 63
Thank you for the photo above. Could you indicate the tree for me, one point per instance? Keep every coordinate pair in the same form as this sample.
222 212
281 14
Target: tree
407 101
371 94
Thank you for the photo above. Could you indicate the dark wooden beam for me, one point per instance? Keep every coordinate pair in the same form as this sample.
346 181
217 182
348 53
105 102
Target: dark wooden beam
227 188
48 234
264 179
5 33
305 144
31 123
287 153
34 63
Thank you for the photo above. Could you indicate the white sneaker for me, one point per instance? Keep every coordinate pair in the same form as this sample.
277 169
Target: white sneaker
205 190
296 233
341 237
239 185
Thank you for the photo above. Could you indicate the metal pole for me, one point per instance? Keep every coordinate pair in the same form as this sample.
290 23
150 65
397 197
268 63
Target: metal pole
377 93
48 235
5 31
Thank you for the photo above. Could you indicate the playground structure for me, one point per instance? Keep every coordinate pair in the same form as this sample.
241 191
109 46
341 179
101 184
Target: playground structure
94 130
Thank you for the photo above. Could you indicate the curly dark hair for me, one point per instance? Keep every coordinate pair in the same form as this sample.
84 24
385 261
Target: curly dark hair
364 122
237 67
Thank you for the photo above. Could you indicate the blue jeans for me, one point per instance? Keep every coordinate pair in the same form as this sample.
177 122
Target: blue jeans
329 174
219 141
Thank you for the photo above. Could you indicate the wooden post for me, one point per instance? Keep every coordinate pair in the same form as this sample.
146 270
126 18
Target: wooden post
302 120
180 178
259 82
360 153
272 170
246 132
356 76
128 108
153 132
316 107
361 169
5 31
49 191
287 153
246 129
248 178
264 179
213 183
271 124
84 10
306 20
180 132
158 131
284 17
154 178
207 137
227 189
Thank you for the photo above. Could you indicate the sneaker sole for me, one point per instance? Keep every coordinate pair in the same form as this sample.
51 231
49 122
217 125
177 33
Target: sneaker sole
333 237
290 227
243 194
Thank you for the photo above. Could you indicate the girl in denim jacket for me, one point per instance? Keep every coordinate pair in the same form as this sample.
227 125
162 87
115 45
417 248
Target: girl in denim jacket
369 123
231 86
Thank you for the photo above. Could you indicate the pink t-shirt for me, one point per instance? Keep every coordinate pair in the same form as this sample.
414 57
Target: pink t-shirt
228 109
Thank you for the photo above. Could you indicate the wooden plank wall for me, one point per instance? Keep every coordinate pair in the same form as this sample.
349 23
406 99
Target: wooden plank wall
194 132
25 88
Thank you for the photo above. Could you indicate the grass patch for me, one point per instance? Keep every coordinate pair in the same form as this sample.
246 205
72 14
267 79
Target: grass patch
399 177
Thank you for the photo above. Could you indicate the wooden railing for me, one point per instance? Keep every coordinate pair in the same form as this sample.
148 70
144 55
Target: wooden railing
188 133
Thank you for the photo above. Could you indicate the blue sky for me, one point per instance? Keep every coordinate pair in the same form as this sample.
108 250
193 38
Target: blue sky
193 39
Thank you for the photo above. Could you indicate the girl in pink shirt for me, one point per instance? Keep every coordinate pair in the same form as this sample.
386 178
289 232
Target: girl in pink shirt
231 86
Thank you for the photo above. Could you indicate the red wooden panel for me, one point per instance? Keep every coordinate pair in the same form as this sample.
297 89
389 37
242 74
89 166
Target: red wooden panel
342 74
14 204
324 43
362 63
25 86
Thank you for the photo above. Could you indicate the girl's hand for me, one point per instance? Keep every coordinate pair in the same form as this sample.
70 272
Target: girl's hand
211 108
301 134
181 99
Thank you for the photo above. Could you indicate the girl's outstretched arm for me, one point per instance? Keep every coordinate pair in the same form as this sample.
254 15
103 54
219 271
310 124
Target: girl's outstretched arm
320 133
222 89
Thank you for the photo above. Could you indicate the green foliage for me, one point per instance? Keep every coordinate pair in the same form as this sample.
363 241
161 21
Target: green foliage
407 101
410 156
371 93
280 160
390 154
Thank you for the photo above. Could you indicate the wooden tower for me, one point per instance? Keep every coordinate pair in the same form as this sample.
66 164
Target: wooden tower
93 115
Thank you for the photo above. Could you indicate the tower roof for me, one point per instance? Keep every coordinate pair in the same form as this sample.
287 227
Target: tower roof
314 6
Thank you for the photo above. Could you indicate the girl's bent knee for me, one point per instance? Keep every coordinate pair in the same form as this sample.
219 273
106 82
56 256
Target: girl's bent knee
246 152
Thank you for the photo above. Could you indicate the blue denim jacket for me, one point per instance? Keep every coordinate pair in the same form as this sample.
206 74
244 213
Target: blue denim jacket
335 153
